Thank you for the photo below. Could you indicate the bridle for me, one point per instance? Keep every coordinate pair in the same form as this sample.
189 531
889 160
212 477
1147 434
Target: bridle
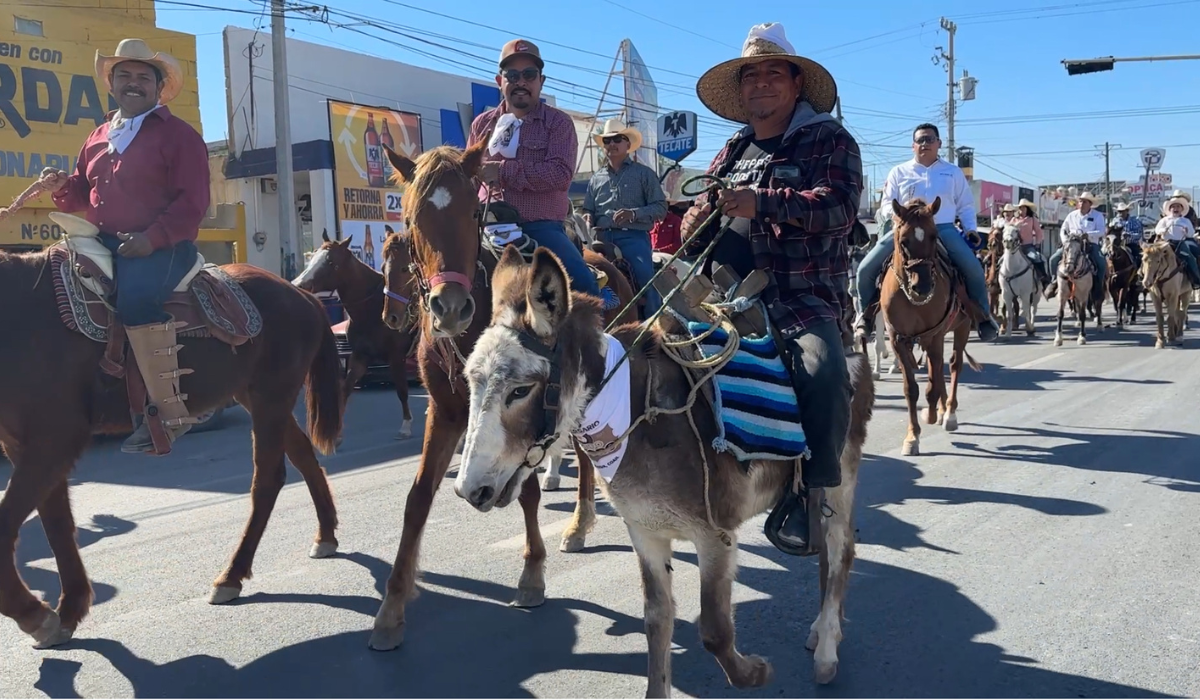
547 423
910 265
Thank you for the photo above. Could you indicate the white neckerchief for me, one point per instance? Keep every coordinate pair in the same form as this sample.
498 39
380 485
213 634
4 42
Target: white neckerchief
607 416
122 131
506 136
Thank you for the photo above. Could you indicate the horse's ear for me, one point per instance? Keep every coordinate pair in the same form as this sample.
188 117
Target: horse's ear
472 159
506 280
549 296
325 235
345 242
899 209
937 203
403 166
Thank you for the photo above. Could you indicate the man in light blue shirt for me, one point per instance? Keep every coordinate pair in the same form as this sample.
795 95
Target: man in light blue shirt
927 176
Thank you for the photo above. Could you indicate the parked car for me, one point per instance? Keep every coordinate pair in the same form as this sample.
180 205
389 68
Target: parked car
377 374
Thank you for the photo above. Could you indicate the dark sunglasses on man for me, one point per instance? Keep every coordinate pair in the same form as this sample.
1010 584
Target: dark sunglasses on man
609 140
925 140
528 75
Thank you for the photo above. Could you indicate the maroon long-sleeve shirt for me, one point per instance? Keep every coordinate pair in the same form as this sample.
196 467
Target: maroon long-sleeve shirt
159 185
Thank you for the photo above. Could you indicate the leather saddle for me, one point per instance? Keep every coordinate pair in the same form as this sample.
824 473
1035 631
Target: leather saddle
501 212
209 302
958 283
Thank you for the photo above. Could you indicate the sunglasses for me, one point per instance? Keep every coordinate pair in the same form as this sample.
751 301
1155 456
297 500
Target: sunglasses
608 140
528 75
925 140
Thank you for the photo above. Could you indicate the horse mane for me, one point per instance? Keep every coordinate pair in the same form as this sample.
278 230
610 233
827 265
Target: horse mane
430 167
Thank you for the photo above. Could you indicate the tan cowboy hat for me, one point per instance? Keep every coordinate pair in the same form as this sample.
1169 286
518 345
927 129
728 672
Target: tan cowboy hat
137 50
719 88
1123 206
1181 201
1181 193
1089 197
1026 203
1008 206
615 127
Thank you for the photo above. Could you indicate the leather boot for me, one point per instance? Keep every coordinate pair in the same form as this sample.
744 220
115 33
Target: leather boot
157 352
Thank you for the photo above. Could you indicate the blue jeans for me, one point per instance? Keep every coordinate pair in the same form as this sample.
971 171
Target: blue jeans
960 254
552 236
143 284
635 247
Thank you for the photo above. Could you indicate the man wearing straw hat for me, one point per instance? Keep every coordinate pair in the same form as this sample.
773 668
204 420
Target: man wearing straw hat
142 178
624 200
1083 219
795 178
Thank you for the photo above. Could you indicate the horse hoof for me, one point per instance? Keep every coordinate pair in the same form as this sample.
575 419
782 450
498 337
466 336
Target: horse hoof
51 633
1058 342
911 448
1158 344
321 550
950 423
572 543
529 598
824 673
1081 340
405 430
386 638
753 672
552 482
224 594
875 375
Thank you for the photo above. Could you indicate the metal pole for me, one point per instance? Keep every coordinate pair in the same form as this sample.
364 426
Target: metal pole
950 28
283 145
600 106
1107 184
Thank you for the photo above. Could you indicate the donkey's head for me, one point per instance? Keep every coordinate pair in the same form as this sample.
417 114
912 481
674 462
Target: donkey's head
441 208
528 376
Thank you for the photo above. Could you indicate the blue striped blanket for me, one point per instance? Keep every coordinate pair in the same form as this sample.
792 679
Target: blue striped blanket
758 415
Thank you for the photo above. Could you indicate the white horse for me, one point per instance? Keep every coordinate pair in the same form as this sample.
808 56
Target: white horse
1018 284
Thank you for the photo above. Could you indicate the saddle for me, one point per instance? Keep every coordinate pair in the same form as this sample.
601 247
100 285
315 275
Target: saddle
207 301
960 301
612 253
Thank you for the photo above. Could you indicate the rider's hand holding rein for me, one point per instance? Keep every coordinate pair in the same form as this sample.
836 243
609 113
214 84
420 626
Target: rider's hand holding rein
54 179
741 203
693 219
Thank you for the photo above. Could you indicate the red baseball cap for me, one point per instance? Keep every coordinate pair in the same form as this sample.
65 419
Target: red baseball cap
521 47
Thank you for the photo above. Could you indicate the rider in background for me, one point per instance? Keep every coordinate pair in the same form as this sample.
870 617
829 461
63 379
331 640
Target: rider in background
927 176
1032 237
1081 220
1134 231
1191 210
1175 227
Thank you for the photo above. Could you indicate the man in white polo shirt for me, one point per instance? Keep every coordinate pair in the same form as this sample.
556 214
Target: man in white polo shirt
927 176
1083 219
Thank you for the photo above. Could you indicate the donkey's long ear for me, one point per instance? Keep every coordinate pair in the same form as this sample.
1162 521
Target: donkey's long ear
473 159
507 278
549 295
404 167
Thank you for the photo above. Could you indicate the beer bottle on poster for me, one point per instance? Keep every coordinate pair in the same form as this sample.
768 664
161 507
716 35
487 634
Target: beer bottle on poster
386 138
369 249
374 153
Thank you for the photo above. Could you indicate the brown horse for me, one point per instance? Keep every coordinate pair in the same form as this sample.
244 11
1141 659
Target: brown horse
54 398
1122 276
453 276
922 300
1075 280
991 255
333 268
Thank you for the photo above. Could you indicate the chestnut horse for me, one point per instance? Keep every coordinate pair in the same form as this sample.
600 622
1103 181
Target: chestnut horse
454 302
333 268
1122 275
54 398
920 305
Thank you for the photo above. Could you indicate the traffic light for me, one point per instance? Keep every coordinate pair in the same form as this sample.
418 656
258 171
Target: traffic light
1096 65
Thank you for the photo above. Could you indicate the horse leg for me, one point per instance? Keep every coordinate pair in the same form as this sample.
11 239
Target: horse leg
397 363
1064 294
908 370
934 387
76 598
1160 341
356 368
962 334
34 478
531 589
718 567
584 519
1081 305
442 431
837 556
300 452
553 479
269 418
654 558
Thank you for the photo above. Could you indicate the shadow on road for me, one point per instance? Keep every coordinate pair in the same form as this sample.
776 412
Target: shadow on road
33 546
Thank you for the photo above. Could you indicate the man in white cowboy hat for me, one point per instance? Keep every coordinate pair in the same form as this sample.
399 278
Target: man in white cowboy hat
624 200
1083 219
1134 231
1190 214
795 179
142 178
1175 227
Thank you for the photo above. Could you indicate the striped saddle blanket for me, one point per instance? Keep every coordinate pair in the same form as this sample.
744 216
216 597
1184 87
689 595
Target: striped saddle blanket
757 411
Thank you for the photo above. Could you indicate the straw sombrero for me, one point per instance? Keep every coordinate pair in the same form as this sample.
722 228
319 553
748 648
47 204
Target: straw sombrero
1181 201
1026 203
719 88
615 127
1123 206
1182 193
1088 196
137 50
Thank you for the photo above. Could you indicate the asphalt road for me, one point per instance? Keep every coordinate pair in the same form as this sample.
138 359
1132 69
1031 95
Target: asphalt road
1049 548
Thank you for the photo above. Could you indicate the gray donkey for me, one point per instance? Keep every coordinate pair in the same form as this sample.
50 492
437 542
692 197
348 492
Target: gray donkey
532 376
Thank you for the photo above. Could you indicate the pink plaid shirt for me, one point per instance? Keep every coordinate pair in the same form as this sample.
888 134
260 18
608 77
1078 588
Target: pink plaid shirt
537 180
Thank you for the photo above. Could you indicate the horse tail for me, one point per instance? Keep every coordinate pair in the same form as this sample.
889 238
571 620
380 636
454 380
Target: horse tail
323 393
972 362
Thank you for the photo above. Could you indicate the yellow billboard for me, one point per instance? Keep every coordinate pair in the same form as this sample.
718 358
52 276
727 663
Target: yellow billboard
368 203
50 99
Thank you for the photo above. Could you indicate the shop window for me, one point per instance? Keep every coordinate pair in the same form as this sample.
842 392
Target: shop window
32 27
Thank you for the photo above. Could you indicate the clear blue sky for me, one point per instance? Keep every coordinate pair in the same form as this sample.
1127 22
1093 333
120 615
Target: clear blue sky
1031 123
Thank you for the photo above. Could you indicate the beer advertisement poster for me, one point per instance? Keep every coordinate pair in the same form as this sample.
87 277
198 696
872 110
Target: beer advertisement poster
367 200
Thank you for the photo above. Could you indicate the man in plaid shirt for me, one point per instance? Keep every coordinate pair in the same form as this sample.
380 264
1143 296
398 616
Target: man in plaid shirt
795 178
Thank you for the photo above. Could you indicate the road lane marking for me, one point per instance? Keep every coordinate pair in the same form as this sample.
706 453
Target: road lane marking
518 541
1038 361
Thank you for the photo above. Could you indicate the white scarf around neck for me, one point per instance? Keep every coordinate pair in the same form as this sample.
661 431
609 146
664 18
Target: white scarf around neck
122 131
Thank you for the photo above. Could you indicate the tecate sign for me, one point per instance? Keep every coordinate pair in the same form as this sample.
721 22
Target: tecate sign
1153 157
677 135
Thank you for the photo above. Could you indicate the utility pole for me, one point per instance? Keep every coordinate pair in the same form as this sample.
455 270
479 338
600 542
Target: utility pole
1107 173
948 57
283 144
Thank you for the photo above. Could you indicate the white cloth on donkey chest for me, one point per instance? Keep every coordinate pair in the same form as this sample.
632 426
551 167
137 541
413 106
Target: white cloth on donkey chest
606 417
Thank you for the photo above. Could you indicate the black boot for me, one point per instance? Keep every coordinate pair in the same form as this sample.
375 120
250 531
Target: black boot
794 525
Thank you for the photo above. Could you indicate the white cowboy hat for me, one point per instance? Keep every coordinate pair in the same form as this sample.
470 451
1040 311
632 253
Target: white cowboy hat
1181 201
719 88
137 50
1181 193
1089 197
1008 206
1026 203
1123 206
615 127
